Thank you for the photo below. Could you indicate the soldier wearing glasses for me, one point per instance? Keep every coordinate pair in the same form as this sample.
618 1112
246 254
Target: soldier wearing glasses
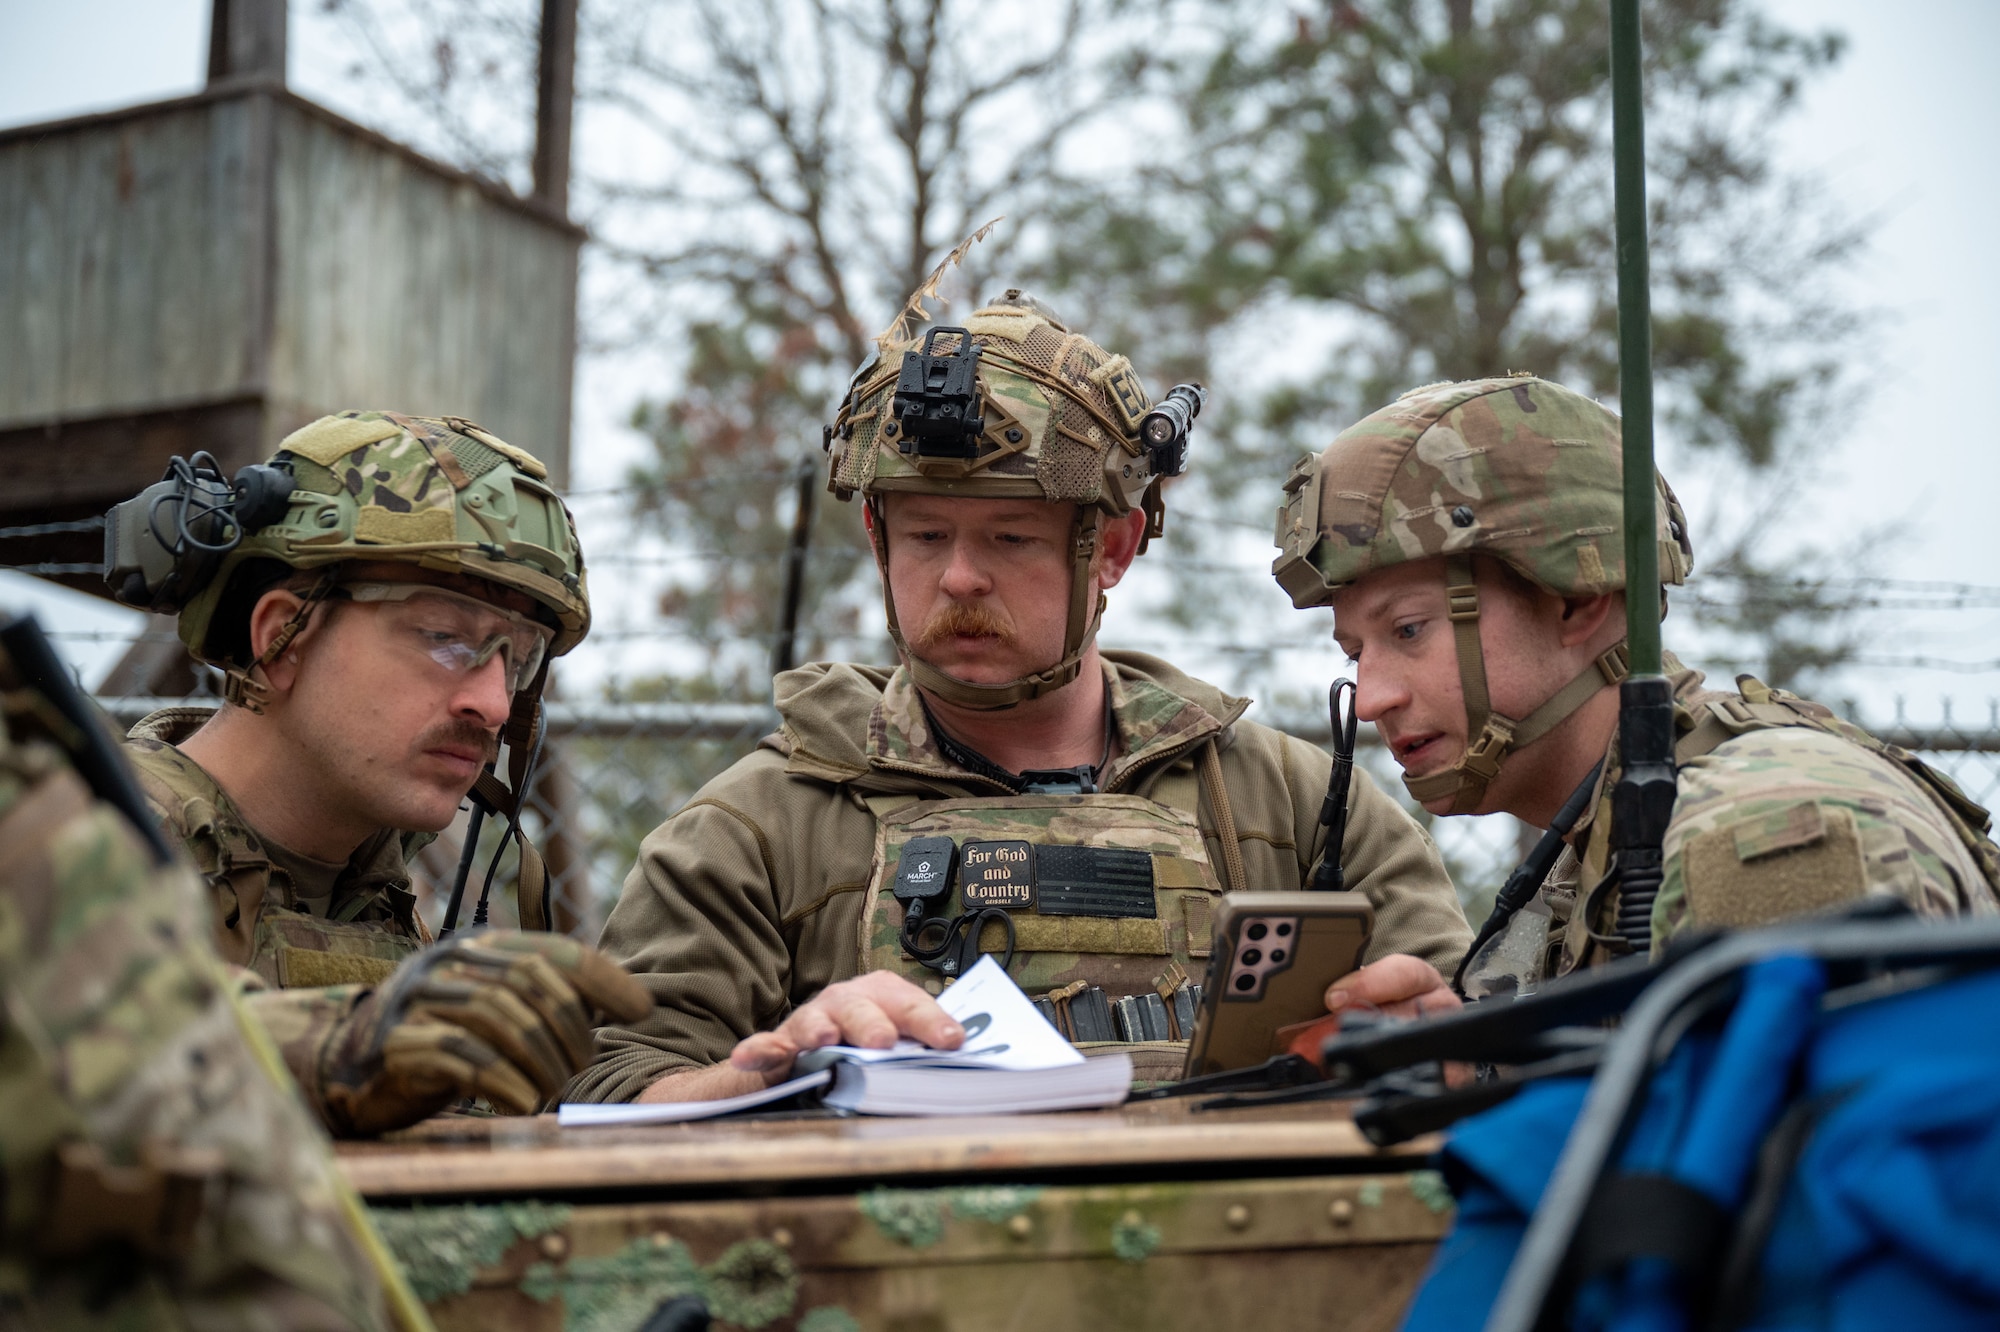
381 598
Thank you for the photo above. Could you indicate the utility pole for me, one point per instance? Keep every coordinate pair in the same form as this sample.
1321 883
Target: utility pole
246 39
555 102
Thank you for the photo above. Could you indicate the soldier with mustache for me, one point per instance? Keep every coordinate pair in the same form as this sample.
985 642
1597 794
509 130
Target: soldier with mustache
1096 802
381 598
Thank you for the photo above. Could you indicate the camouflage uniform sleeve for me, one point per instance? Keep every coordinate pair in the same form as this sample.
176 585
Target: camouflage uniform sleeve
121 1048
1787 822
698 924
300 1022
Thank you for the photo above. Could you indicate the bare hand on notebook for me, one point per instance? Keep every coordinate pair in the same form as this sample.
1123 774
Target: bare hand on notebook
871 1011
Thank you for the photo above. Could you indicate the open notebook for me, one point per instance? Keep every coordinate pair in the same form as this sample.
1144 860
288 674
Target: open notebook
1012 1062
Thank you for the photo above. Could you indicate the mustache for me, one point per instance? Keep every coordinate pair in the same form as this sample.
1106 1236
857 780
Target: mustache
969 618
460 732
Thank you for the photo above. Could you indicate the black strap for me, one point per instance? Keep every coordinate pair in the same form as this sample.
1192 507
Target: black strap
1391 1113
1328 875
1275 1073
1736 1285
1527 878
1648 1216
1084 779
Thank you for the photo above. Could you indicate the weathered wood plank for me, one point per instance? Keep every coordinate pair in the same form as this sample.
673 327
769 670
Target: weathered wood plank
124 290
519 1157
181 255
401 288
1329 1251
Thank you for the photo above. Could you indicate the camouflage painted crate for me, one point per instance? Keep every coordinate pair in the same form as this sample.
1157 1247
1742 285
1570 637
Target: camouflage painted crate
1147 1217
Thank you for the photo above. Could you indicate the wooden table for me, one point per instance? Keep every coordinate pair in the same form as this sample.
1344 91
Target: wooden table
1149 1216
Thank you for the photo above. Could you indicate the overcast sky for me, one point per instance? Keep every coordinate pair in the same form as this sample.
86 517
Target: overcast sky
1904 131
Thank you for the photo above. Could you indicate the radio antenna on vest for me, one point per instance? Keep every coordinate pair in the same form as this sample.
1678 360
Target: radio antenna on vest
1643 800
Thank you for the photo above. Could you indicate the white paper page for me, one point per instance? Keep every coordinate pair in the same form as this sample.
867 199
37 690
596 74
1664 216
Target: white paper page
1002 1029
583 1114
1016 1035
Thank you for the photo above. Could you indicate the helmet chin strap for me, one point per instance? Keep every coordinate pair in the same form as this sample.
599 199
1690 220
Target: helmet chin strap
1084 610
1464 783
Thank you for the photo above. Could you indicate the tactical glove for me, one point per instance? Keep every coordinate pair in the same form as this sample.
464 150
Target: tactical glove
498 1014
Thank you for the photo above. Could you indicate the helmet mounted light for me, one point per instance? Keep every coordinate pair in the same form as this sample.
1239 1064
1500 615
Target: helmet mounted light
1165 430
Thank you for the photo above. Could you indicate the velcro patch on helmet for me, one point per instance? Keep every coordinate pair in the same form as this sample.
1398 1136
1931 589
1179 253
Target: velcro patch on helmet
1121 384
378 526
331 438
1012 325
520 457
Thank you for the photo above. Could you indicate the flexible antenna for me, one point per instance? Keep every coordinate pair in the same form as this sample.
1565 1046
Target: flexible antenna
1642 803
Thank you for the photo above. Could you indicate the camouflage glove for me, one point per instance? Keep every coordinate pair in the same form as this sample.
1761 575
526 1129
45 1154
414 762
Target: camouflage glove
499 1014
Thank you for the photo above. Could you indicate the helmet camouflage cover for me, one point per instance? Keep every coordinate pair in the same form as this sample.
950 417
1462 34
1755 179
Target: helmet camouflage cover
1061 419
1518 468
439 493
1061 424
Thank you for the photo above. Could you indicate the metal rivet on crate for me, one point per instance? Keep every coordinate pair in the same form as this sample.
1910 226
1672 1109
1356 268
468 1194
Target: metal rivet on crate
1340 1211
1236 1216
1020 1227
554 1247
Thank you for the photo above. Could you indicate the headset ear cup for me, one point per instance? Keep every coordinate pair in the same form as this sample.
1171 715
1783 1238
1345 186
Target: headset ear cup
263 493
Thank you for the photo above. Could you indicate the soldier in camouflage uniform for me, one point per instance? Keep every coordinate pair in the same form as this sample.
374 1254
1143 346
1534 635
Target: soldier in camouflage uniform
755 911
375 636
156 1169
1468 538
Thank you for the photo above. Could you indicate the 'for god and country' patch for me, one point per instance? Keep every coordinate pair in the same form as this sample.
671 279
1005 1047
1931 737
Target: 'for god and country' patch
997 874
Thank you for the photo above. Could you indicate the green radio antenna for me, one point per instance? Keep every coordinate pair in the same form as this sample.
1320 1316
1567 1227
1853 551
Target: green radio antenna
1643 799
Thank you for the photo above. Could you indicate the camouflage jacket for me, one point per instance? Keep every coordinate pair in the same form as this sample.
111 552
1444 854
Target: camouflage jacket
1783 810
749 900
370 923
155 1169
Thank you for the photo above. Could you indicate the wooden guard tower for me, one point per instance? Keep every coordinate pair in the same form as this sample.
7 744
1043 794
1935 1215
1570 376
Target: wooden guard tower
212 271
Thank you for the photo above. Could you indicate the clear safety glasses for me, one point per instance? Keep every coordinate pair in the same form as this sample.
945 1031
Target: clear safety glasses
458 632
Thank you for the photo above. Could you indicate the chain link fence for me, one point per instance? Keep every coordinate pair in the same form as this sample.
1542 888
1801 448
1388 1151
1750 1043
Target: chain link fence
610 773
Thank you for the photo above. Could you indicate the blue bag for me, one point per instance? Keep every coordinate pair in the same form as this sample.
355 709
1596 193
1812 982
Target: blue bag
1812 1162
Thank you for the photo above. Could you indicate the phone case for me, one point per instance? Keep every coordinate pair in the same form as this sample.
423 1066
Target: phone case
1273 958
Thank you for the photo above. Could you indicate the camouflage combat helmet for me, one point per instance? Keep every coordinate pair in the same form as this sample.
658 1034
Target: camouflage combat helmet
436 492
1049 415
1517 468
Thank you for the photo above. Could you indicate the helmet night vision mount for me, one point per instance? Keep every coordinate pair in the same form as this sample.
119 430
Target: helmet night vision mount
937 399
939 414
164 545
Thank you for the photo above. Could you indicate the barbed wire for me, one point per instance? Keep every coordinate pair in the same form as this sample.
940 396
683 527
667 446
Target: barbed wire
1927 664
764 638
51 529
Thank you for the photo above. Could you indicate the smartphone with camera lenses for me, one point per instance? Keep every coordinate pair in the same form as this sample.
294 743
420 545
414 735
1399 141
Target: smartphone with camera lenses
1272 959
